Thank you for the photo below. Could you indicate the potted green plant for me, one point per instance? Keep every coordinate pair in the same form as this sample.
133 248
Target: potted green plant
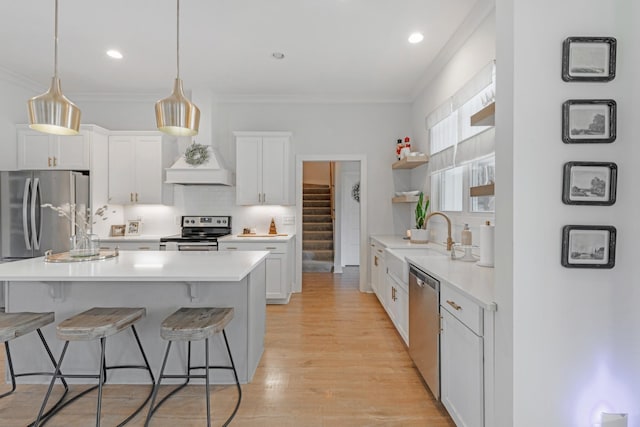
420 234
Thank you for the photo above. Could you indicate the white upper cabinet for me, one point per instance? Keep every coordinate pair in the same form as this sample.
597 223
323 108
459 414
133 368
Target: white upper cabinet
37 150
263 169
136 170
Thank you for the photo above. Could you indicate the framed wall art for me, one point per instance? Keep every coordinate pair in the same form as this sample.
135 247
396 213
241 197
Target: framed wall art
589 121
588 246
589 183
133 227
118 230
589 59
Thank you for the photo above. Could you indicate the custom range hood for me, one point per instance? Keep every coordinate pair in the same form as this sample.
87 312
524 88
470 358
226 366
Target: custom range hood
209 172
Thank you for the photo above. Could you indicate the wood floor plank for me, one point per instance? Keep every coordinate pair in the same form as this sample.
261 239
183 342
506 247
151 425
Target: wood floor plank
332 358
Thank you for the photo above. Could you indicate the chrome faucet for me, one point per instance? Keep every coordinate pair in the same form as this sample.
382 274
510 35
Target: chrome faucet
449 239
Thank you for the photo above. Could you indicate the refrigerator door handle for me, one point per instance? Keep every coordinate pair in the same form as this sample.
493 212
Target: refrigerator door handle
25 217
35 197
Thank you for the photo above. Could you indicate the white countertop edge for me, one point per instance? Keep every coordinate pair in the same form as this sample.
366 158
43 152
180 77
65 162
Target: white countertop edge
235 238
141 238
472 280
130 267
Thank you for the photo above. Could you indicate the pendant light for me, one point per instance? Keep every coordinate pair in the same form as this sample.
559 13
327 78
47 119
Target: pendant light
175 114
52 112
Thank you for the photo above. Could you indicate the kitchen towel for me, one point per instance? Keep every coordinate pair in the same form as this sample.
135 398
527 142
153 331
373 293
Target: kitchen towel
487 244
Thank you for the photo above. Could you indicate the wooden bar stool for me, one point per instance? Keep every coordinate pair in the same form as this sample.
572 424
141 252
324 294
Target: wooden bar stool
14 325
97 323
195 324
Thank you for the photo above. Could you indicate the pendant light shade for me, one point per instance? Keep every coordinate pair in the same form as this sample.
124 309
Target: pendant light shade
52 112
175 114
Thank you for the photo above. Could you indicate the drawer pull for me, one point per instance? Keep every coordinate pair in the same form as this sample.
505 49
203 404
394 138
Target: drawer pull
454 305
144 248
270 247
231 248
375 260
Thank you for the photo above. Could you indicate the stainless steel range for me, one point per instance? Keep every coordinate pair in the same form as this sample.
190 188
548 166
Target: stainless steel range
199 233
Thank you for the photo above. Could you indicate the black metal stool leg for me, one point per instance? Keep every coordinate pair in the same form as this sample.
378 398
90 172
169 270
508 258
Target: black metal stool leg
53 380
206 380
235 374
13 376
101 379
152 409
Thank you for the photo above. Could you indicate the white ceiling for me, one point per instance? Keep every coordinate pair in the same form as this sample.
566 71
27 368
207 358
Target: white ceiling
335 49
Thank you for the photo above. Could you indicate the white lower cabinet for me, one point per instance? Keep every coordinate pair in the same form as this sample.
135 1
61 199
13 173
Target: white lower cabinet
462 370
279 265
378 271
398 306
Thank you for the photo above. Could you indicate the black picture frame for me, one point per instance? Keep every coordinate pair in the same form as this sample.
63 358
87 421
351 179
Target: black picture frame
589 121
588 246
589 59
589 183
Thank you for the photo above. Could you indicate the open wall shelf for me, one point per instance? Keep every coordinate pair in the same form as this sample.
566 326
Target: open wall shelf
411 162
485 117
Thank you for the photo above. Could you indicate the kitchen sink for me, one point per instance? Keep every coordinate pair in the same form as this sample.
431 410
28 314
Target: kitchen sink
398 266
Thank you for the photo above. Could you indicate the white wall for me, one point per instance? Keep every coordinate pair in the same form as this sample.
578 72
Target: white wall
576 341
475 53
13 110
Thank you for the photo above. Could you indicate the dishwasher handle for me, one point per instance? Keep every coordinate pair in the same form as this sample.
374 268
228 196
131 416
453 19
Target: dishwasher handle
423 279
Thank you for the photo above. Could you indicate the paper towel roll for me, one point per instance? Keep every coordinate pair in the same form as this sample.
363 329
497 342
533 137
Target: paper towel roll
487 245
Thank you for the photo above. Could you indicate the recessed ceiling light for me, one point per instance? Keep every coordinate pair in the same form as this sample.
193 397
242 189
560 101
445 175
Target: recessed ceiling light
416 38
114 54
278 55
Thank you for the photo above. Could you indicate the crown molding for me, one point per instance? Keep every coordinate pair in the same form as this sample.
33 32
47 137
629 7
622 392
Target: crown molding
471 23
20 80
298 99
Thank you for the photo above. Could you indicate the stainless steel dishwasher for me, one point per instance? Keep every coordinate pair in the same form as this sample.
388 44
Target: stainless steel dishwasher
424 326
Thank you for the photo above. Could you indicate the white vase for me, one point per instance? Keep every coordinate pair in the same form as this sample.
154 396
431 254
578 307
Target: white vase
419 235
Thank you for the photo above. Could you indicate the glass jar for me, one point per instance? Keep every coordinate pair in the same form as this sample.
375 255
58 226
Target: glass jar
84 245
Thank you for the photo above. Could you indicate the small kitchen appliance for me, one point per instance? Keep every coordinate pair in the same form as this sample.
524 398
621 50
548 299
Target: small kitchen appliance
199 233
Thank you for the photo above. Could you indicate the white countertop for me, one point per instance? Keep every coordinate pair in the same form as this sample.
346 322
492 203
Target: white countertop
468 277
396 242
255 239
137 239
141 266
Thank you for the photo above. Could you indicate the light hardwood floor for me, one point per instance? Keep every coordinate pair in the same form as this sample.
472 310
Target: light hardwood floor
332 358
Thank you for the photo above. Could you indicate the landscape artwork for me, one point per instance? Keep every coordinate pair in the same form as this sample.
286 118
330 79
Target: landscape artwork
588 246
589 183
588 121
588 59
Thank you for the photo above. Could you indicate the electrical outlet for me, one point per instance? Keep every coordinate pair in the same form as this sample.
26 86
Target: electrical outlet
288 220
614 420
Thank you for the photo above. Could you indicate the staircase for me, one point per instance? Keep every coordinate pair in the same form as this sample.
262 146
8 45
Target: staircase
317 228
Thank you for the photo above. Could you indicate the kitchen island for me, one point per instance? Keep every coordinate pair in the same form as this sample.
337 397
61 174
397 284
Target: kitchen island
160 281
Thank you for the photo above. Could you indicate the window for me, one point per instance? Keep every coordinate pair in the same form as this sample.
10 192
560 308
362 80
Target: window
446 189
482 173
444 134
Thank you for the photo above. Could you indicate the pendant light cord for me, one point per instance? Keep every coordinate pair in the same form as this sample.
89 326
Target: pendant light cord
55 48
177 38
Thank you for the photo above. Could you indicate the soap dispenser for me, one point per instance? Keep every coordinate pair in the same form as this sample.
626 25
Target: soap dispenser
466 239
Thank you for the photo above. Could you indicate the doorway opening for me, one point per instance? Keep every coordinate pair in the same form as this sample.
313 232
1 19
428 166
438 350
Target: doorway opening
331 215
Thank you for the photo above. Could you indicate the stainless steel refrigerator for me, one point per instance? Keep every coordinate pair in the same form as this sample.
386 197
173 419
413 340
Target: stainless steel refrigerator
27 229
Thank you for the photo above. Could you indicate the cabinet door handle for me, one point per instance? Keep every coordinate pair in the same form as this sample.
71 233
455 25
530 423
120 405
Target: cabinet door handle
454 305
55 161
393 293
131 196
49 162
375 260
136 197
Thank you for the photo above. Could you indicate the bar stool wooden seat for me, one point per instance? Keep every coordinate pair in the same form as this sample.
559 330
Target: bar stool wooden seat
97 323
195 324
14 325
